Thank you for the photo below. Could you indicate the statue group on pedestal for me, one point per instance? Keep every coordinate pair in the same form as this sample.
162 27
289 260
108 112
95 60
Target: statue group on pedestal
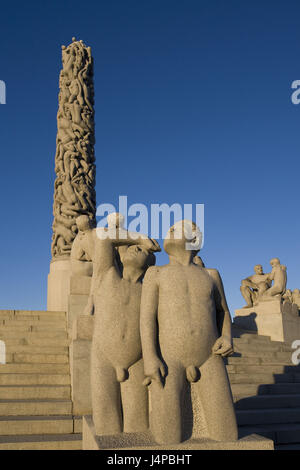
259 288
156 328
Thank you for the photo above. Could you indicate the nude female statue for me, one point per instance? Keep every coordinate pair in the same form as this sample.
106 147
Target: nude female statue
116 356
185 331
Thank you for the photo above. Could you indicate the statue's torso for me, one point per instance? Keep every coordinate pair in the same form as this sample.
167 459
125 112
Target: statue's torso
186 314
117 319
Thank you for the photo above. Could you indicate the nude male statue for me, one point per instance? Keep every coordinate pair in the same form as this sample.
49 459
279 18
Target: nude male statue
254 286
119 398
185 331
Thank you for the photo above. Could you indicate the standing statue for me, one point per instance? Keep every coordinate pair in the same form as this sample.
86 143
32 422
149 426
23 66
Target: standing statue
119 398
74 188
185 331
254 286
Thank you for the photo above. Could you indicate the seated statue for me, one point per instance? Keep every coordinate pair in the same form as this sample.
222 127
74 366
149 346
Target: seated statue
119 398
185 332
254 286
279 278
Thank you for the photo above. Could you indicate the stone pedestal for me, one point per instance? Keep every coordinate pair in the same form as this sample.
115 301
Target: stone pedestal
78 296
270 318
144 441
80 353
59 285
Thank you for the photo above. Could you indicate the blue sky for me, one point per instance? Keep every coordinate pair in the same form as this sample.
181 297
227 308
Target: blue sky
192 105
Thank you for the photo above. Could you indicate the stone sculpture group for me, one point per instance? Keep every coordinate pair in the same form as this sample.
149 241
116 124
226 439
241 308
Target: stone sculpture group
159 333
161 328
258 287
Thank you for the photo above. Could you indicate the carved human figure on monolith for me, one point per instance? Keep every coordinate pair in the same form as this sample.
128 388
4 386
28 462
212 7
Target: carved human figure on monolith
254 286
83 247
119 398
185 331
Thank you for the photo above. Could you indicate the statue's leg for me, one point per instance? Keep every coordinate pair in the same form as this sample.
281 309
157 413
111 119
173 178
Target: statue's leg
106 396
216 399
166 406
135 400
246 293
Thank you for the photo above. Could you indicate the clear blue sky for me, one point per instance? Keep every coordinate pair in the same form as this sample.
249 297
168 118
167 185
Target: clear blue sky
192 106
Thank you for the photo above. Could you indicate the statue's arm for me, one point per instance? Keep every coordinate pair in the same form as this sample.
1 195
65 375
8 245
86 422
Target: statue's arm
153 367
223 345
247 282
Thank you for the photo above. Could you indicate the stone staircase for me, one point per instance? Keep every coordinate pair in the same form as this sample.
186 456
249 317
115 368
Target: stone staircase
35 391
266 389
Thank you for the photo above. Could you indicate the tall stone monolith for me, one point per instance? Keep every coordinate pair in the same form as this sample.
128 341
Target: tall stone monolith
74 187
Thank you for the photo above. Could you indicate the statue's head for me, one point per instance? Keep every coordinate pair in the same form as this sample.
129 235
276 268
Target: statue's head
258 269
185 235
83 223
274 262
137 257
296 291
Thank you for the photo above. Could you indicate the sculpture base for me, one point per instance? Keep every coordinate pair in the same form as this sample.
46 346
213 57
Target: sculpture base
80 358
59 285
270 318
78 297
145 441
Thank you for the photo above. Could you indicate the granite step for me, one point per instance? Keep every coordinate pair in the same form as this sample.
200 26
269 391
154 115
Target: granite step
238 368
42 442
34 379
16 425
36 407
56 324
26 334
266 402
32 313
263 378
37 368
38 340
279 433
20 392
268 416
249 389
256 360
29 349
37 358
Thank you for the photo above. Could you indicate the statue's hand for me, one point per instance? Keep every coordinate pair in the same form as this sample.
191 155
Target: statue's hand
154 371
223 346
151 245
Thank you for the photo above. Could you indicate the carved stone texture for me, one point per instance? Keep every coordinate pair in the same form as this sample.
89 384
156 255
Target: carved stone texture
74 187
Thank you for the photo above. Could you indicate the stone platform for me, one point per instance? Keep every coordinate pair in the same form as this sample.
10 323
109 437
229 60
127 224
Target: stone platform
145 441
270 318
